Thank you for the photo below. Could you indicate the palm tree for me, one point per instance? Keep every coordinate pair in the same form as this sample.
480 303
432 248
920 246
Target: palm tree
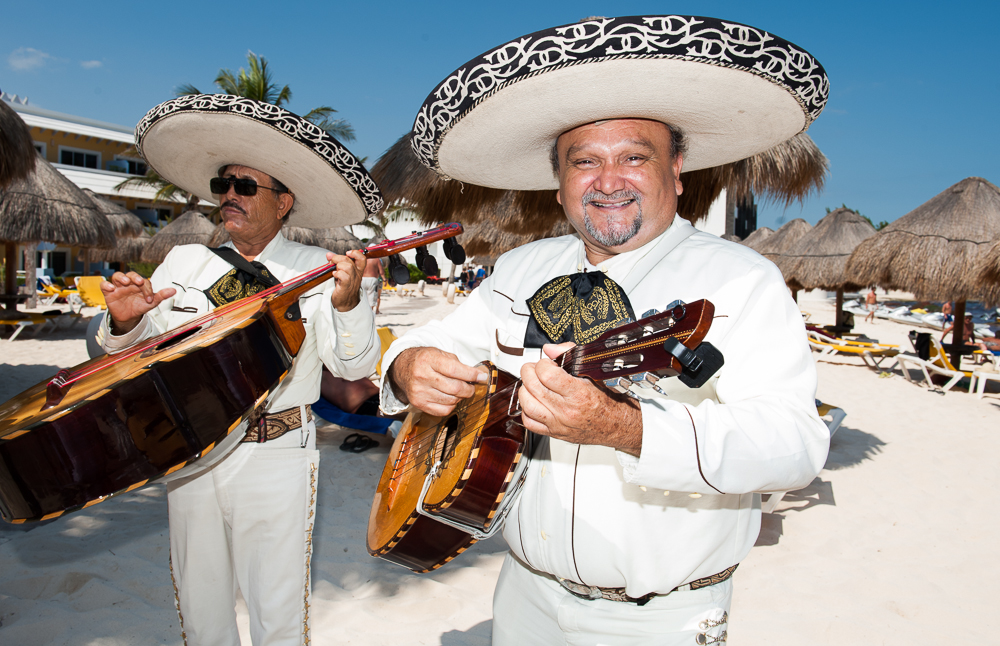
258 84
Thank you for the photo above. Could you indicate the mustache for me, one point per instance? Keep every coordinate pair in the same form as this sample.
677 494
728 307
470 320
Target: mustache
617 196
234 205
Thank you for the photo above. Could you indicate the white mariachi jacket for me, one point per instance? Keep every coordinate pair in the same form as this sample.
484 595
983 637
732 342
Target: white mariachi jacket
686 508
345 341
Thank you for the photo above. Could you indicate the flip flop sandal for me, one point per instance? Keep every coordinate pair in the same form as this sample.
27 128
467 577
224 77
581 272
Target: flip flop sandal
357 443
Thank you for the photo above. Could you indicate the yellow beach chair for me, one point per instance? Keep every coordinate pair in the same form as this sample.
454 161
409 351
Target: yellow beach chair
89 288
937 364
872 353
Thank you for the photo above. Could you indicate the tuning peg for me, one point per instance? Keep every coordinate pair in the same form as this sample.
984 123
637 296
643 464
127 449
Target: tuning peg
618 384
454 251
649 313
398 271
645 379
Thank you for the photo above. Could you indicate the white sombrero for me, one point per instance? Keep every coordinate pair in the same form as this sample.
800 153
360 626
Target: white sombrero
733 90
187 140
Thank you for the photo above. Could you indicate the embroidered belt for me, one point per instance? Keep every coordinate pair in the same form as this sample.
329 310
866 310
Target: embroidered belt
271 426
618 594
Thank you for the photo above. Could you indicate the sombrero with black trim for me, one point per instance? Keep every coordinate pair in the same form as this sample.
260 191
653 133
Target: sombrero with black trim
186 140
733 90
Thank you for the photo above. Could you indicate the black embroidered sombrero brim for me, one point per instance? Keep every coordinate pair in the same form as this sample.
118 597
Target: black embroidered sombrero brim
186 140
734 90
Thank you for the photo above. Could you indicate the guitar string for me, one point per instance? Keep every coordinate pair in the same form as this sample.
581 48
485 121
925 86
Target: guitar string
394 246
577 362
419 457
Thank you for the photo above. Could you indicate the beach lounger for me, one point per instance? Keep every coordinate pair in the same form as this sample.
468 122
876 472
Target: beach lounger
979 380
927 369
832 416
89 288
872 353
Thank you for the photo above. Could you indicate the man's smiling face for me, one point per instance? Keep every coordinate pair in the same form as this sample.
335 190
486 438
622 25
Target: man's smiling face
618 183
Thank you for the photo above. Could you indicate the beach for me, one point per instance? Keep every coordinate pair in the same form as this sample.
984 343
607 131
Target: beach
890 543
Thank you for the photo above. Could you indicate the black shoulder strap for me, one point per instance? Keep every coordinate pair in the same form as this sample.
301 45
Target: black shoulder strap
233 257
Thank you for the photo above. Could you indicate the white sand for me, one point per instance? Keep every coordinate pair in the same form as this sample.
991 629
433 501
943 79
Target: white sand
890 544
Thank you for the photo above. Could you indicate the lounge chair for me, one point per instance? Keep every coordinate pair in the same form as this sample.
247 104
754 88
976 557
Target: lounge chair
832 417
872 353
89 288
981 377
929 368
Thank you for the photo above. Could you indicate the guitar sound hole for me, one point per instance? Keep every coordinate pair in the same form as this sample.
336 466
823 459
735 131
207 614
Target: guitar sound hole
447 440
177 339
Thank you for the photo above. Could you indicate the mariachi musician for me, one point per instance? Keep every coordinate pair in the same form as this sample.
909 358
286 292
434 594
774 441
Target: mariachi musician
633 514
247 520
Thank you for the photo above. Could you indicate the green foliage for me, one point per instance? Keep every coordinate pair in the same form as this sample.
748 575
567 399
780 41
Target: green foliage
144 269
415 274
258 84
878 227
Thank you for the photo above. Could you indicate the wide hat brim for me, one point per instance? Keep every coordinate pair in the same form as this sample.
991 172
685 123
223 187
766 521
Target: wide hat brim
732 89
188 139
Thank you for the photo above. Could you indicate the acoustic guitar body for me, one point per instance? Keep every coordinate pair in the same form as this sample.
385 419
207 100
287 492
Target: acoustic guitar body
147 416
470 472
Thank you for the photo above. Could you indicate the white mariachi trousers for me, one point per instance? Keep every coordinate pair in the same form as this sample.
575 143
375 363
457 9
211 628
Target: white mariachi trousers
246 522
532 609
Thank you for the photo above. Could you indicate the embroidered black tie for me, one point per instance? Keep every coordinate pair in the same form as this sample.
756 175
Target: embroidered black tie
245 279
578 308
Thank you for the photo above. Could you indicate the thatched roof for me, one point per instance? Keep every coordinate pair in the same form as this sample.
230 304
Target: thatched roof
936 249
785 238
17 151
125 223
338 240
296 234
989 273
127 250
731 237
190 227
786 173
818 259
485 241
47 207
757 238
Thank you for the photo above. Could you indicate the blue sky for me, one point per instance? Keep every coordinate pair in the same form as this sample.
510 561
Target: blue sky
914 86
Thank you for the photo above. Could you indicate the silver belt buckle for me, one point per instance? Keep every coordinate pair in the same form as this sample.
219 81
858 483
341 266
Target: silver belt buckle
580 590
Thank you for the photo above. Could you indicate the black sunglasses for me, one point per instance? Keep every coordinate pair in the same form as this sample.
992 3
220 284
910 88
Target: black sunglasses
242 186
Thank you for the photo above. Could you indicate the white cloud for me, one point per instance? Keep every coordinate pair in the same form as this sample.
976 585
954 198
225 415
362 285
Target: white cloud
24 59
89 65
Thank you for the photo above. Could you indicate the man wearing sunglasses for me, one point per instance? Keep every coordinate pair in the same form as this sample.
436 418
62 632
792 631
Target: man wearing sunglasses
246 519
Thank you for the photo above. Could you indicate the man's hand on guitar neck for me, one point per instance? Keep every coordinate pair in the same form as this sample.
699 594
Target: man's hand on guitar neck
129 296
555 403
433 380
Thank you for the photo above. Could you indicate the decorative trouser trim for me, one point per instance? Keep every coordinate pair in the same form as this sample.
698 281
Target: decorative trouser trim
310 520
177 600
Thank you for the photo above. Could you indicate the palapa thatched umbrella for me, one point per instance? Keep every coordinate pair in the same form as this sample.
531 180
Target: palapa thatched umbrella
787 172
757 238
17 151
988 273
45 206
936 249
190 227
130 234
485 241
818 260
785 238
338 240
125 223
127 250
